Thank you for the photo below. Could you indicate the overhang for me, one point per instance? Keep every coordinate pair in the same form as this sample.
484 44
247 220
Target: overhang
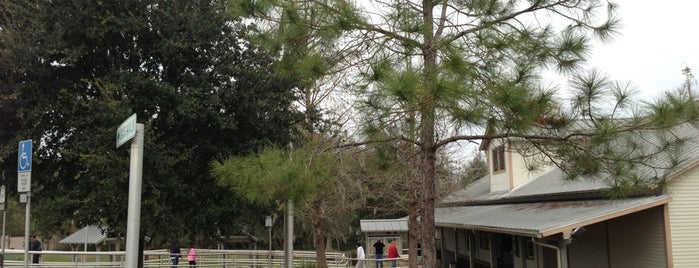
91 235
384 225
541 219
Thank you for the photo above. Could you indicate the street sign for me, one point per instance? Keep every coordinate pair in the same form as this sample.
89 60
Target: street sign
24 182
126 131
24 156
2 197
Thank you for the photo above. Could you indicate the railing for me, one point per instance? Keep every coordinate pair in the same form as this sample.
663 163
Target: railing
161 258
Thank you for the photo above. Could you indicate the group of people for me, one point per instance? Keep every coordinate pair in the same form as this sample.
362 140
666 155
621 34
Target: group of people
378 249
175 255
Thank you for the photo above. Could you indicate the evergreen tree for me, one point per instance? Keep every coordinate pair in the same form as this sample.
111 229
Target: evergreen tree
470 71
72 71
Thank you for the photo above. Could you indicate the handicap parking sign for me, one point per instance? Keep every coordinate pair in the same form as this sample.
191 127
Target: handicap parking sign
24 156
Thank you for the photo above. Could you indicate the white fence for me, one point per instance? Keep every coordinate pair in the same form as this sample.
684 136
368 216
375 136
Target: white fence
161 258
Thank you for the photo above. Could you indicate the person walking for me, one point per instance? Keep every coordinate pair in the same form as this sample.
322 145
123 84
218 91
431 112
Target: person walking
35 245
175 254
378 249
393 253
192 258
360 256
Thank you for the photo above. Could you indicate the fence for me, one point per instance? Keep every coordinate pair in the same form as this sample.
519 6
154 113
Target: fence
161 258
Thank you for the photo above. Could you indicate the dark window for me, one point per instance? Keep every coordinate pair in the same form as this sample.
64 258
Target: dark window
498 158
516 246
530 250
483 241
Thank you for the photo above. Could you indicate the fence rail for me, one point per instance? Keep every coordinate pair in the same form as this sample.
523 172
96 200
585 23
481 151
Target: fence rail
161 258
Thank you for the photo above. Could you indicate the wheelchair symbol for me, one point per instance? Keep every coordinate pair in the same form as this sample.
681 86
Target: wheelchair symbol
24 161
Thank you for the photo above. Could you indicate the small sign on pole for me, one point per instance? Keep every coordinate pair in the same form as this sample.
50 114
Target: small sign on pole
24 182
24 166
2 197
126 131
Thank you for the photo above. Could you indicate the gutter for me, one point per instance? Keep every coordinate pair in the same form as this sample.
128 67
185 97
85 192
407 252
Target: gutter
557 249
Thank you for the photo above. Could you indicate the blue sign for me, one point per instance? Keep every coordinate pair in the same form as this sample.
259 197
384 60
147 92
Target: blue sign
24 156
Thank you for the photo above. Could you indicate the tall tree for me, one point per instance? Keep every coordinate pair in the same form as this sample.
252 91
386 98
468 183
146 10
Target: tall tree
317 178
74 71
305 41
470 70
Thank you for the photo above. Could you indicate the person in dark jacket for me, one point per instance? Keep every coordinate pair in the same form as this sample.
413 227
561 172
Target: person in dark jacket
378 249
175 254
35 245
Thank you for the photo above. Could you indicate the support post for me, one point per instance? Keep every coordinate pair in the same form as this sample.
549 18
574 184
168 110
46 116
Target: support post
289 232
26 229
133 220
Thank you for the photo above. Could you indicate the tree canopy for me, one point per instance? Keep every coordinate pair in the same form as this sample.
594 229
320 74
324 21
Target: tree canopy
71 72
447 71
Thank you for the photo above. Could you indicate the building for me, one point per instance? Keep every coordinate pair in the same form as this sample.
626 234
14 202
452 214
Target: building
516 217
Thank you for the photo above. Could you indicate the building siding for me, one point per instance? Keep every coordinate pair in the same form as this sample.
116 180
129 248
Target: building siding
590 250
638 240
684 219
500 180
521 174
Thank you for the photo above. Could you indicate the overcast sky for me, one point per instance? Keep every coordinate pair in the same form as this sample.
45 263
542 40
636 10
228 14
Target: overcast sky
658 39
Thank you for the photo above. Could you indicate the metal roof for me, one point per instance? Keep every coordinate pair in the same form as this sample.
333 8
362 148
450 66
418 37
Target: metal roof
89 235
554 181
384 225
541 219
551 182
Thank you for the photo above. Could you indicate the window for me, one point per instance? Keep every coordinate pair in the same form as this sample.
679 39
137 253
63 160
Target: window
484 241
516 247
530 250
498 158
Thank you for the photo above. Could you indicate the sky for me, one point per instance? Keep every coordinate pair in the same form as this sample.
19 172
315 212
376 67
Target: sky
657 40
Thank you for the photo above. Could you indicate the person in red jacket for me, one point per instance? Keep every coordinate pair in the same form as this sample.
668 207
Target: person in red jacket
393 253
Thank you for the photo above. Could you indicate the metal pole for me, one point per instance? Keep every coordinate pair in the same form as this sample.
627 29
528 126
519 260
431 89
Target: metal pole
26 229
289 248
133 219
4 217
270 246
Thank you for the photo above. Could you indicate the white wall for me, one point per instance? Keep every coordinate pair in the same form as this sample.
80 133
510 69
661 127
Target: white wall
590 250
684 219
638 240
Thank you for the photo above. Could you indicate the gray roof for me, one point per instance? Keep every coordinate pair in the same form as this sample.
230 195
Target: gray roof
384 225
541 219
89 235
551 182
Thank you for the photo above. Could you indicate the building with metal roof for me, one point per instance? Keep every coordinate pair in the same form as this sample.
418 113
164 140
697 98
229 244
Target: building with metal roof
92 238
516 217
90 235
384 230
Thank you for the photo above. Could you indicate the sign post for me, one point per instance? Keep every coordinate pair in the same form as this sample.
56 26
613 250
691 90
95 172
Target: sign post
268 223
24 185
4 217
130 130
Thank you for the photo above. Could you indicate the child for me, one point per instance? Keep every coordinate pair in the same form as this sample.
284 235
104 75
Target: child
192 258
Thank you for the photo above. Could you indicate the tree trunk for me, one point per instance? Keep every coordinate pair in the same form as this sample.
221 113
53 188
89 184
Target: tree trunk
427 142
412 226
318 236
429 250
